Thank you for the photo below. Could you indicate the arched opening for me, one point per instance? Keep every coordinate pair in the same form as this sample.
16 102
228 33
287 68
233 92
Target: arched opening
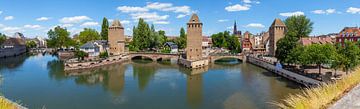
141 59
228 61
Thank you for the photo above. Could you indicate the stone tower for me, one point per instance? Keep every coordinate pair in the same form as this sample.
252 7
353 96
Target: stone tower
276 32
194 39
116 38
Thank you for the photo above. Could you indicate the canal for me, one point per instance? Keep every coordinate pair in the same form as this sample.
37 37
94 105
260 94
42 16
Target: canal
39 81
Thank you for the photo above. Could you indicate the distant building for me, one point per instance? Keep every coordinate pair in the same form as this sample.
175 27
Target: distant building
19 35
246 44
316 40
276 31
12 47
348 33
116 38
171 46
235 31
94 48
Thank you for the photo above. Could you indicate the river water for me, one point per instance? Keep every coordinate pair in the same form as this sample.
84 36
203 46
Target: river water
39 81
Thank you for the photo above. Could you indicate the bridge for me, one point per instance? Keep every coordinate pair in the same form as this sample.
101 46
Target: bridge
159 56
215 57
153 55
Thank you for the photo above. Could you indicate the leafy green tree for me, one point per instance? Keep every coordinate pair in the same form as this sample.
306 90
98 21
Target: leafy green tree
181 41
141 36
351 54
104 29
2 38
104 55
225 40
298 26
80 54
320 54
284 47
59 37
88 35
30 44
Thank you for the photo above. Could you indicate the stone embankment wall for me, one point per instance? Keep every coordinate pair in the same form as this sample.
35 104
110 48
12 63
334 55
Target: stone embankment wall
282 72
7 52
73 65
194 64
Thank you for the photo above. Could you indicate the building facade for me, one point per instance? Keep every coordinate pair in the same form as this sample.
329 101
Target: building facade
194 38
276 31
246 44
12 47
116 38
348 34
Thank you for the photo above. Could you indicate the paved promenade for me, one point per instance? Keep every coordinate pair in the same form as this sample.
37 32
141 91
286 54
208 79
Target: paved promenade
350 101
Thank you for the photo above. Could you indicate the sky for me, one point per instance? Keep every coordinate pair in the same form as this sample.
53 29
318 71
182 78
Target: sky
36 17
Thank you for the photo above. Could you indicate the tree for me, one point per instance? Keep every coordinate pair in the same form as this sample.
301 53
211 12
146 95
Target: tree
80 54
2 38
225 40
298 26
320 54
59 37
284 47
104 29
351 55
141 36
88 35
181 41
30 44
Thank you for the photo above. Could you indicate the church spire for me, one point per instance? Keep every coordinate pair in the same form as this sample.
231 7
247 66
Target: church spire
235 28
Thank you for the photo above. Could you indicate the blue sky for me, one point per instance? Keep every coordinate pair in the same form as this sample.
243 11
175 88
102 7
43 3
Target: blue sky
36 17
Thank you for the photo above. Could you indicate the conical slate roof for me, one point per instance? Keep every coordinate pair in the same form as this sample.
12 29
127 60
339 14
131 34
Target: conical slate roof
278 22
116 23
194 19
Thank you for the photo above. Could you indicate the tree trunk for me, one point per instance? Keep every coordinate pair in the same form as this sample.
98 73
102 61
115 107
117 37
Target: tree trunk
319 65
335 73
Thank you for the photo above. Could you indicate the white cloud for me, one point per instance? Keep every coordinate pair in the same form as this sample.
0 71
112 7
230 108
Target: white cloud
353 10
2 25
43 19
230 27
9 18
161 22
237 7
180 16
169 7
328 11
75 19
32 26
128 9
87 24
247 1
288 14
255 25
159 6
66 25
1 12
124 22
149 16
223 20
11 30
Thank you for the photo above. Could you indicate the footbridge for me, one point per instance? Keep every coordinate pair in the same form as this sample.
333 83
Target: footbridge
214 57
153 55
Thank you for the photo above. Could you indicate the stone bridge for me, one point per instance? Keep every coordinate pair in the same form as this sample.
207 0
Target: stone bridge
154 56
213 58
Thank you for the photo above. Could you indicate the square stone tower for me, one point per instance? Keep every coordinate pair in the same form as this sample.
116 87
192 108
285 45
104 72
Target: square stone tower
194 39
276 31
116 38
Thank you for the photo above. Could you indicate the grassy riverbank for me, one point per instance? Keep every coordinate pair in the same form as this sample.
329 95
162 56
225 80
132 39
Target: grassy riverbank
323 96
6 104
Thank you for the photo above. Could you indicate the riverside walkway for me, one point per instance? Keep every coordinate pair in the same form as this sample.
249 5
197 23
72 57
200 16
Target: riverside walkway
349 101
283 72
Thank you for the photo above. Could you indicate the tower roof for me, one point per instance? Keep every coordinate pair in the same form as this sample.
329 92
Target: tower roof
278 22
116 23
194 19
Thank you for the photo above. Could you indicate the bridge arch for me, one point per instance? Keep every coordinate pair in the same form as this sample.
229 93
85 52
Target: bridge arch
215 58
143 57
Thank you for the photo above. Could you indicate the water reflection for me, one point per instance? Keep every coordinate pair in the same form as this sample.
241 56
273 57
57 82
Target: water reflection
12 62
143 84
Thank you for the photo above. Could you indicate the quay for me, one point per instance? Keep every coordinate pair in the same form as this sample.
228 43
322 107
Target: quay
306 81
71 65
